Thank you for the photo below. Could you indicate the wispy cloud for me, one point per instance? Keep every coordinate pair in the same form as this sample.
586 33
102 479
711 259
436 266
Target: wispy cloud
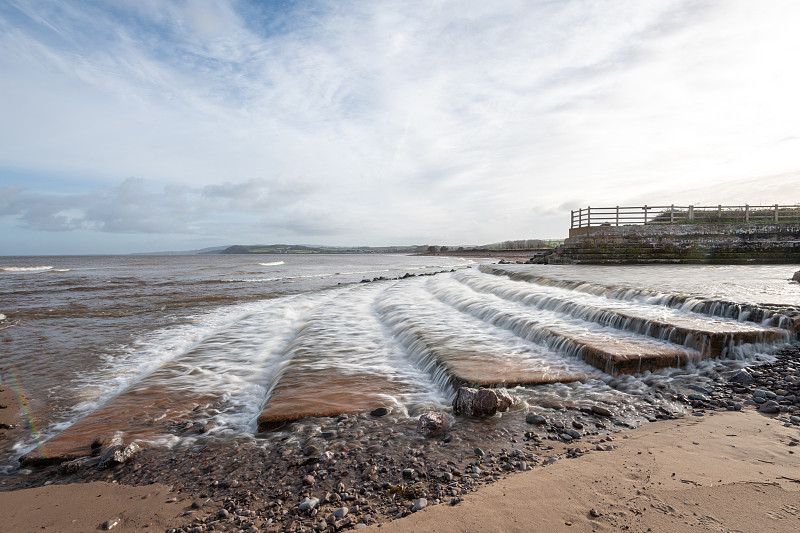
370 122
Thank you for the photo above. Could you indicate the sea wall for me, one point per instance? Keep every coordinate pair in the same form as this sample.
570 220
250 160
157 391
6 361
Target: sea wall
681 243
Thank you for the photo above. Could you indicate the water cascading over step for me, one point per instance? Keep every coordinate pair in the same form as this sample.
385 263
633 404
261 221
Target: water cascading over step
340 362
713 337
457 349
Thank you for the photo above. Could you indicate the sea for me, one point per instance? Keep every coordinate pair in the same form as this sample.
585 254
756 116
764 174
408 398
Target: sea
182 350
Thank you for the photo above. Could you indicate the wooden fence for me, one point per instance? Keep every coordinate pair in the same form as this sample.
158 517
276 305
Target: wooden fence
691 214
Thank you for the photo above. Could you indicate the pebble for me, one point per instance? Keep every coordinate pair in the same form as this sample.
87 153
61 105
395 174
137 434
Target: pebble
380 411
308 504
111 523
600 410
770 407
341 512
419 504
533 418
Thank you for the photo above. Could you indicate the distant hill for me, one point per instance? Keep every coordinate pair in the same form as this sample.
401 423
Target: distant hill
211 250
302 249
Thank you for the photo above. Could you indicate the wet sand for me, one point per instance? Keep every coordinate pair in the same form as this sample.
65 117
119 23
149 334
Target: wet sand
726 471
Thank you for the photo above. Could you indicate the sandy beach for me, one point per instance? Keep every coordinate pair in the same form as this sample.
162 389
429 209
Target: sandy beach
725 471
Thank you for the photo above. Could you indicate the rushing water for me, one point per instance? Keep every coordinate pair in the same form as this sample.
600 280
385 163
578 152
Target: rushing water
153 345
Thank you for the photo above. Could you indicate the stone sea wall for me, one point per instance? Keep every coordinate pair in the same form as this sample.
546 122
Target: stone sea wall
681 243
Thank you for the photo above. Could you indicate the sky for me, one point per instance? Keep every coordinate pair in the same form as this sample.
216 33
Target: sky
145 125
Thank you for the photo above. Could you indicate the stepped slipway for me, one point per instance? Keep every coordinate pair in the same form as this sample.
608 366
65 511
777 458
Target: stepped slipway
608 326
681 243
407 345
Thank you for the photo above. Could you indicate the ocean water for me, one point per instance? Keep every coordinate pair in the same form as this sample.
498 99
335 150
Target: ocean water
154 345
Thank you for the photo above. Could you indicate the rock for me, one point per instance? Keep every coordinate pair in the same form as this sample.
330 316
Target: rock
308 479
770 407
308 504
697 398
743 377
577 425
117 454
312 450
70 467
481 402
533 418
110 523
479 452
419 504
796 276
600 410
380 411
99 442
574 434
341 512
223 513
433 423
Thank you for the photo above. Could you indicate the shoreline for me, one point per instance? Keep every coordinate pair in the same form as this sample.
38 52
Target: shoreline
723 472
625 470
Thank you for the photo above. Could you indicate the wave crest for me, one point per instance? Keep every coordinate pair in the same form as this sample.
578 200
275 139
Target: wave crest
26 269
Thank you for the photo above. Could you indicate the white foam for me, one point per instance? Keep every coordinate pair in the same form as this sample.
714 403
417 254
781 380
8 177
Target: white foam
274 263
26 269
2 316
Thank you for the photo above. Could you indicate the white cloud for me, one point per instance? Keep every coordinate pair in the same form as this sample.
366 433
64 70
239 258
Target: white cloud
370 122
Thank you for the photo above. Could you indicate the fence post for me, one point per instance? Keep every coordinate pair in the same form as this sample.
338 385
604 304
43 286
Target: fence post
580 217
776 212
691 213
672 214
588 216
747 212
645 215
719 212
617 215
571 219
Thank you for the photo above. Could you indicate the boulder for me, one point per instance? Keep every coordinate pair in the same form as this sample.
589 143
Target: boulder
117 453
481 402
796 276
433 423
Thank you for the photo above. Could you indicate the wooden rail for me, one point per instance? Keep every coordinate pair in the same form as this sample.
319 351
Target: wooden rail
691 214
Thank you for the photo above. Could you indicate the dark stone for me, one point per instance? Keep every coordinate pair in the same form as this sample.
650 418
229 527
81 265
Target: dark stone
380 411
742 377
110 523
533 418
770 407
